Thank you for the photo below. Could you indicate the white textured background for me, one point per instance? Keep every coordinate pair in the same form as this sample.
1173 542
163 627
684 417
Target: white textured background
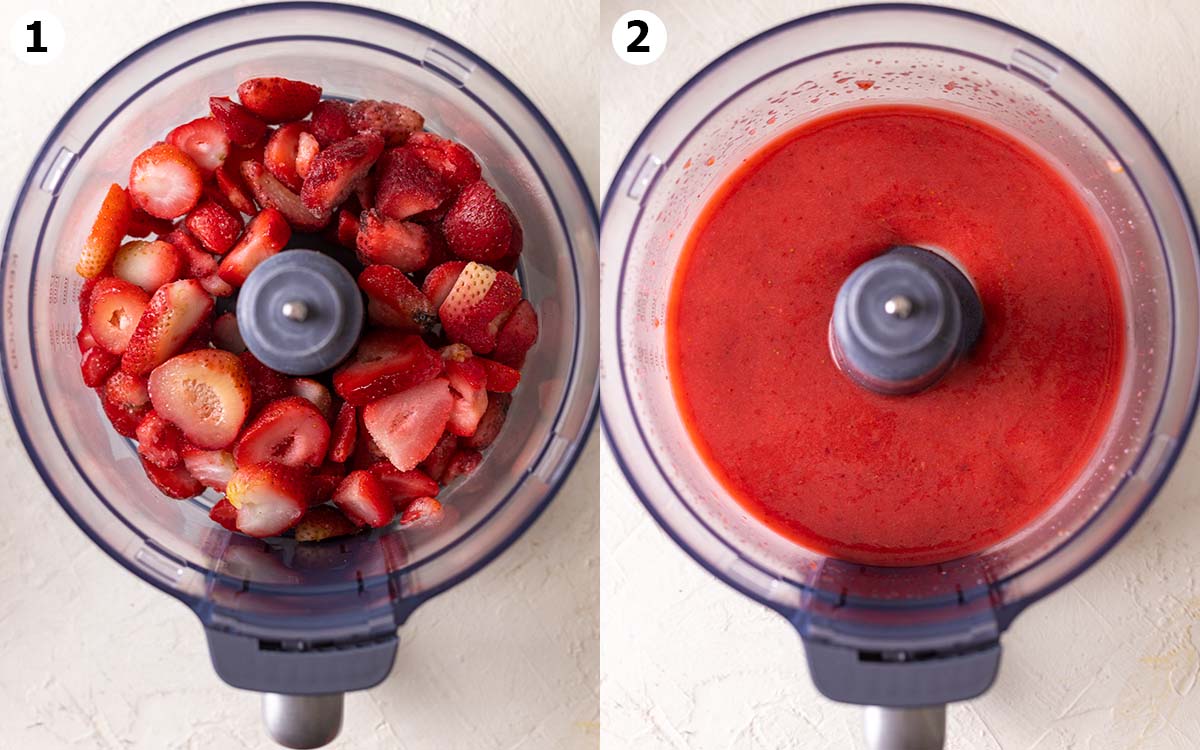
91 657
1108 662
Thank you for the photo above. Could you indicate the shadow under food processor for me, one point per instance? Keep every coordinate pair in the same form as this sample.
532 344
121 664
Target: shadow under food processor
903 640
301 623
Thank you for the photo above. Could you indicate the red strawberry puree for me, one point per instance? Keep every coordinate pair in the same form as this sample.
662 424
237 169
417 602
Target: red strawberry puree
900 480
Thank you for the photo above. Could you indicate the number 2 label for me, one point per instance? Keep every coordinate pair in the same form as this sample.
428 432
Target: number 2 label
639 37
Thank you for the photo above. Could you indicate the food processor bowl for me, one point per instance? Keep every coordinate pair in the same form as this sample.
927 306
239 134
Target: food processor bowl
911 637
280 617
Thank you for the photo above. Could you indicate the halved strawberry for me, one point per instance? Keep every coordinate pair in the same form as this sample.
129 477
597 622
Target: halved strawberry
440 280
107 232
226 334
173 314
269 497
468 385
394 301
395 122
383 363
205 393
175 482
453 161
323 522
307 149
279 156
477 305
315 393
241 125
337 169
212 468
345 432
214 226
96 365
271 193
362 497
439 458
224 514
278 99
289 431
148 264
384 241
115 309
517 336
322 482
229 182
404 485
165 182
422 513
490 424
127 391
330 122
204 140
407 425
407 185
159 441
478 226
462 463
500 378
266 385
142 224
266 235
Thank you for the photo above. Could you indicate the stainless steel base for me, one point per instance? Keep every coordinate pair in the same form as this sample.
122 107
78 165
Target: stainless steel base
303 722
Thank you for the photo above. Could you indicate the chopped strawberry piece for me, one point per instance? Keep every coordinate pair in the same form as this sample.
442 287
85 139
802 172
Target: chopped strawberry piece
468 385
439 458
344 229
323 522
322 482
266 235
422 513
440 280
315 393
84 339
175 482
148 264
453 161
216 286
289 431
385 241
337 170
224 514
439 251
205 393
165 182
385 362
479 225
124 419
500 378
491 423
204 140
477 305
270 498
278 99
307 149
407 185
115 309
279 156
142 224
395 122
110 228
214 226
364 192
226 334
196 263
159 441
232 187
345 432
271 193
241 125
366 452
517 336
212 468
364 500
173 314
407 425
266 385
404 485
394 301
462 463
96 365
127 391
330 122
85 302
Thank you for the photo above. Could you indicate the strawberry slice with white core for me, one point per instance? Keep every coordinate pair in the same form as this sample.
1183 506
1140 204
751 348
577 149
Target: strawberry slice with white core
174 313
324 522
271 193
107 232
281 152
175 482
407 425
422 513
385 362
394 301
478 303
307 149
226 334
364 500
148 264
165 182
404 485
115 310
468 383
441 279
267 234
315 393
289 431
204 140
269 498
212 468
205 393
336 171
517 336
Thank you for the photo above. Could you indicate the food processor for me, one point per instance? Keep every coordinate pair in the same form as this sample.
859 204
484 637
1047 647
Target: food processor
903 641
302 624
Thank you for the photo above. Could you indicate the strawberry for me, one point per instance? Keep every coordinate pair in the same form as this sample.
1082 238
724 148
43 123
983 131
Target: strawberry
366 452
148 264
500 378
214 226
279 156
109 229
322 482
212 468
159 441
452 161
204 140
407 185
224 514
84 339
440 280
278 99
271 193
175 482
127 391
173 314
142 224
323 522
165 182
205 393
517 336
394 301
407 425
216 286
269 498
462 463
330 122
115 309
491 423
196 263
345 431
439 458
241 125
478 225
229 182
422 513
385 241
266 235
266 385
404 485
383 363
509 261
124 419
364 192
439 251
315 393
96 365
344 230
307 149
394 122
364 500
468 385
477 306
85 302
337 169
227 335
289 431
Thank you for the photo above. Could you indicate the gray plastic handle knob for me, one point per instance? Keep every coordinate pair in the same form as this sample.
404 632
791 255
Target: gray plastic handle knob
303 721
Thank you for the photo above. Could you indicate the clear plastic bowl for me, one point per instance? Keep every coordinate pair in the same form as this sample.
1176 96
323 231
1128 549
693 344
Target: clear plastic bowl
279 592
939 58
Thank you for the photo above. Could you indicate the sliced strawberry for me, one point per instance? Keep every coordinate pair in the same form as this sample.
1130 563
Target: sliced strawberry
468 385
337 169
216 286
85 302
204 140
364 192
366 452
109 229
214 226
345 431
344 230
307 149
127 391
453 161
477 305
404 485
490 424
175 482
116 307
439 458
241 125
407 425
224 514
266 385
226 334
84 339
439 251
395 122
478 226
385 362
96 365
279 156
440 280
142 224
205 393
266 235
271 193
500 378
278 99
364 500
201 338
315 393
149 265
165 182
422 513
394 301
212 468
322 482
196 262
289 431
384 241
516 244
159 441
270 498
517 336
330 122
323 522
173 314
462 463
407 185
124 419
230 184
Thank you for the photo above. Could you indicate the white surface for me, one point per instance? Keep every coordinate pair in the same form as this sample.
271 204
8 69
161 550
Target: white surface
91 657
1108 662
